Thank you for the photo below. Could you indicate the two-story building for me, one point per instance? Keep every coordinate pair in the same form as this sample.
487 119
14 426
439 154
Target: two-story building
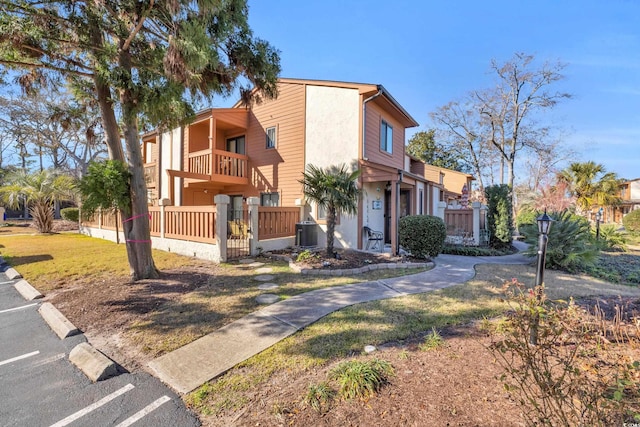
261 151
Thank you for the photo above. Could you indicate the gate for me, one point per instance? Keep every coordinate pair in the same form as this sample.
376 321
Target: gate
238 233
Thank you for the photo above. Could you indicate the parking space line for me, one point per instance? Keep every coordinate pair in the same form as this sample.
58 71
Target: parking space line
24 356
5 283
71 418
143 412
18 308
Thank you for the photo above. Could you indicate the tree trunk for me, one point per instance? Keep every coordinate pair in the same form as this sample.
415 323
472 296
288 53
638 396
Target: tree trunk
136 227
331 227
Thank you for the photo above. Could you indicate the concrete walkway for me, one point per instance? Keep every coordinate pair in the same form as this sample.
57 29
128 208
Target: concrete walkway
196 363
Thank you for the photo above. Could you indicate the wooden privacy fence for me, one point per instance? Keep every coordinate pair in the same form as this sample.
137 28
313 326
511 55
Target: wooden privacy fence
459 221
192 223
276 222
197 223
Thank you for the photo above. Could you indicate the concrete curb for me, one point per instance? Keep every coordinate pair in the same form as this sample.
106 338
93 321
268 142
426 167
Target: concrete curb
57 322
27 291
12 274
95 365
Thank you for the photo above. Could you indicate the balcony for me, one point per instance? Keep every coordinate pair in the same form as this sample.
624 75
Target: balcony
221 166
150 174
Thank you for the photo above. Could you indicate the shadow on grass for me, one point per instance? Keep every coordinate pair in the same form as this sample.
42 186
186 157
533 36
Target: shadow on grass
22 260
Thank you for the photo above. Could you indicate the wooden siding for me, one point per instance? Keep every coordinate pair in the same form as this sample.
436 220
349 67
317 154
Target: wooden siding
278 169
199 136
375 115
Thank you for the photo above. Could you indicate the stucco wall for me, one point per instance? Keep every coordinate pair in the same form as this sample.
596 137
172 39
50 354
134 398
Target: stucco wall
373 218
331 138
170 155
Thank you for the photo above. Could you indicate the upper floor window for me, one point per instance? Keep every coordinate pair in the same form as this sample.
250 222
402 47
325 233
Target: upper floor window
269 199
386 137
271 137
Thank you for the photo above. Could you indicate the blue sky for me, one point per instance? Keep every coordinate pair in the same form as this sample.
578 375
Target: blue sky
427 53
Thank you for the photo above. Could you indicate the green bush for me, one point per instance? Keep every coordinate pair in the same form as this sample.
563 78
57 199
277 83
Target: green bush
422 235
631 222
70 214
476 251
610 238
570 244
524 217
499 215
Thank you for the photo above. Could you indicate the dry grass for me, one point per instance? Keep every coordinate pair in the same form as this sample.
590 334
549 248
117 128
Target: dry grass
192 299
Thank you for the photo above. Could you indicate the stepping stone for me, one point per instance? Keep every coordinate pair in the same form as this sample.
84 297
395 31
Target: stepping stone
264 270
264 278
268 286
246 261
267 298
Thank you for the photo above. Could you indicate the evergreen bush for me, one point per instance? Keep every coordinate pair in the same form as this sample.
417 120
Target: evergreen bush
422 235
70 214
631 222
499 215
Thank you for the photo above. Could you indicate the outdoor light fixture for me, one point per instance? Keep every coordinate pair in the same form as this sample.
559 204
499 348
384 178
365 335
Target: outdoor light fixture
544 223
598 219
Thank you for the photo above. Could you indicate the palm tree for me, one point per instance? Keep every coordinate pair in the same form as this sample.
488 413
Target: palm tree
591 185
335 189
39 191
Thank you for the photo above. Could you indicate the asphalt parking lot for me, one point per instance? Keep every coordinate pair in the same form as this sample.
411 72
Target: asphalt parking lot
39 386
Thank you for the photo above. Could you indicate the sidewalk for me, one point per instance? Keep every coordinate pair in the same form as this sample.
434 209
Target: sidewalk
196 363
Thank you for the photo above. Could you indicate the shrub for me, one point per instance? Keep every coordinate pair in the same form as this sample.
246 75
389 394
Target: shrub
569 246
499 215
359 379
70 214
525 217
631 222
422 235
476 251
579 373
610 238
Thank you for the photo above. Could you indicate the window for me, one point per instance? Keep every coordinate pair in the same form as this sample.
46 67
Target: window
236 145
271 137
386 137
421 202
321 215
269 199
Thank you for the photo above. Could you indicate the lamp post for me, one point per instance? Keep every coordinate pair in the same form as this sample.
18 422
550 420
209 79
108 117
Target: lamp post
598 219
544 224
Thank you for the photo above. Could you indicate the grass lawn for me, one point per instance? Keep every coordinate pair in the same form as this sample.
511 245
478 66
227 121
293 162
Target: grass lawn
87 279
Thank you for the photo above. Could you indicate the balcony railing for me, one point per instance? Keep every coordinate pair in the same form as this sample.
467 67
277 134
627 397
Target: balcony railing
200 162
226 166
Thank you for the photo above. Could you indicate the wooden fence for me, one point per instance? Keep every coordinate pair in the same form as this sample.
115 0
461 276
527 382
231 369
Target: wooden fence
276 222
197 223
458 221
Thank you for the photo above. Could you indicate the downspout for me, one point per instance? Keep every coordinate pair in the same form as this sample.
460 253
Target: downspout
364 123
